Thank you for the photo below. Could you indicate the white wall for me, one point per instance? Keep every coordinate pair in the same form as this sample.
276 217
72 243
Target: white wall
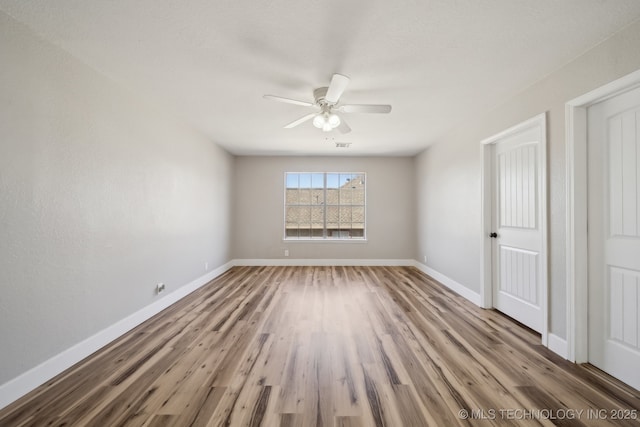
259 208
448 173
101 197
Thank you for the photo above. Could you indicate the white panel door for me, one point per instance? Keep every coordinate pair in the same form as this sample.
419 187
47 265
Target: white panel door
517 243
614 236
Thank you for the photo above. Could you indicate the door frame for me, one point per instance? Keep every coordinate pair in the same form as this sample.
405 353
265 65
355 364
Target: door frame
487 200
577 256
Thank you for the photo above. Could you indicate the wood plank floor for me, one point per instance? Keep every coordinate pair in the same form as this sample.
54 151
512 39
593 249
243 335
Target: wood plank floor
326 346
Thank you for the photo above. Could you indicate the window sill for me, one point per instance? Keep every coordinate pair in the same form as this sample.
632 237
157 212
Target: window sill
324 240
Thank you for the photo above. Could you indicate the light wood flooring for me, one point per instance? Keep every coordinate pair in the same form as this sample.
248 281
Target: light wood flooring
326 346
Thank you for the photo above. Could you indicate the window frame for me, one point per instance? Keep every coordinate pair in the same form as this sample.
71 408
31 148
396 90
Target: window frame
325 235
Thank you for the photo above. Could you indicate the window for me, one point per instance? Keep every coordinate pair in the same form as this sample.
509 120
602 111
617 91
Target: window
325 205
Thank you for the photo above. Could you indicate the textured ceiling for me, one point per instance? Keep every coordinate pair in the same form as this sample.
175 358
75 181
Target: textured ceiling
436 61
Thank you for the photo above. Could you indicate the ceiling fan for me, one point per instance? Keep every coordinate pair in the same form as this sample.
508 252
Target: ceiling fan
327 100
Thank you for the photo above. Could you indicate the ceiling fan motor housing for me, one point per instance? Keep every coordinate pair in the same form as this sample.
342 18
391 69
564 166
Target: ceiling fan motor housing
319 95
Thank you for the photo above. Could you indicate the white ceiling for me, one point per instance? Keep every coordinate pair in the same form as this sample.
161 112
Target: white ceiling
436 61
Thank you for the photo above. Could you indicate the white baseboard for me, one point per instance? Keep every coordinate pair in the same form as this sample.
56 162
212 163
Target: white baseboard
323 262
558 345
456 287
21 385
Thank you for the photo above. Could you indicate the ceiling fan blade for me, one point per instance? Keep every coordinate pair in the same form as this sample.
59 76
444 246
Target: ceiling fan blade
336 88
343 127
300 120
365 108
289 100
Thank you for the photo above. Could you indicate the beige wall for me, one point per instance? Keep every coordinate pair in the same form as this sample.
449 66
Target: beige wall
259 208
101 197
448 173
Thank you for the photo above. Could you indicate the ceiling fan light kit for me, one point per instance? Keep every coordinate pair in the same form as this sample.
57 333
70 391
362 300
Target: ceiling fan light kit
327 99
326 121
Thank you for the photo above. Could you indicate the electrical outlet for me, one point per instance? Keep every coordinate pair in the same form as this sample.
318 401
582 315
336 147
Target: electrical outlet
286 252
425 259
160 288
206 266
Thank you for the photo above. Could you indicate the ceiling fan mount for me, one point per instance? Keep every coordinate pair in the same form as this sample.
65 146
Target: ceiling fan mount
327 100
